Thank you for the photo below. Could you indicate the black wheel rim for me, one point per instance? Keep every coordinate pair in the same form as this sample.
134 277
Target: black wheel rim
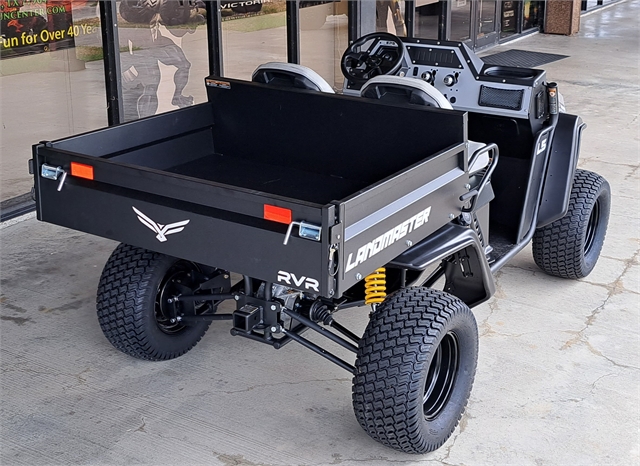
178 279
592 227
441 377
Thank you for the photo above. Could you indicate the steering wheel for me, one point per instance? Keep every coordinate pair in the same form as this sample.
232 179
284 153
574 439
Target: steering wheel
383 56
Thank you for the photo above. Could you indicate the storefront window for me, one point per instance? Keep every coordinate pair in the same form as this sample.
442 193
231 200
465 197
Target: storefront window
460 20
509 18
390 17
324 38
163 55
533 14
590 4
253 32
487 20
427 18
51 78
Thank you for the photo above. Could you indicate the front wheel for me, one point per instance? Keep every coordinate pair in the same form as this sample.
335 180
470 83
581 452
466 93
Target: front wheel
415 368
132 304
570 246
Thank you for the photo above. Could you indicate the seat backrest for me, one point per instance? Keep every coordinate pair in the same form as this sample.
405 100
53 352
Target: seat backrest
416 91
404 90
290 75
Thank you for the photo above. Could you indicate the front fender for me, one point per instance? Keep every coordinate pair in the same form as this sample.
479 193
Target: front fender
565 149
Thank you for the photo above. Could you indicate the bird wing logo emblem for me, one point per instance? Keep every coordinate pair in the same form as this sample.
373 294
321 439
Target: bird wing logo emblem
162 231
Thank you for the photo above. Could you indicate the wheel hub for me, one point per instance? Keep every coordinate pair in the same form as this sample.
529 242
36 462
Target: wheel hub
441 377
179 280
592 226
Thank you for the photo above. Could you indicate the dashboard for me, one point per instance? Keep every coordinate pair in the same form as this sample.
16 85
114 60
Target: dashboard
468 83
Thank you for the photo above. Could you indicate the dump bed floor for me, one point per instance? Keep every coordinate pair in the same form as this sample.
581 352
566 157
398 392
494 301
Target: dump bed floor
268 178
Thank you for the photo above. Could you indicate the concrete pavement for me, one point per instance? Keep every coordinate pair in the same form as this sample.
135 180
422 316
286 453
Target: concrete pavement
559 367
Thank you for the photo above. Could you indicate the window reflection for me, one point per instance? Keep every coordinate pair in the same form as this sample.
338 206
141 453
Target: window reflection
509 18
460 20
487 10
533 12
253 32
153 59
52 80
427 18
324 38
390 17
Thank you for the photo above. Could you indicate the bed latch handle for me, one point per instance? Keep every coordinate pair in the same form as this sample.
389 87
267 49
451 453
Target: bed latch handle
305 230
53 173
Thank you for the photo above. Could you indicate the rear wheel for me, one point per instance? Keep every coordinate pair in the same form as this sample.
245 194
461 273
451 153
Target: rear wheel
133 308
570 246
415 368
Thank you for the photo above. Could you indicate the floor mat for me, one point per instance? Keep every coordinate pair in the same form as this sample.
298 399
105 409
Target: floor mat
521 58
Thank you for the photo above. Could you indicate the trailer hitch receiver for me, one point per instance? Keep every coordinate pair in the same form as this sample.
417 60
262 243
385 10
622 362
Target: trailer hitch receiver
246 318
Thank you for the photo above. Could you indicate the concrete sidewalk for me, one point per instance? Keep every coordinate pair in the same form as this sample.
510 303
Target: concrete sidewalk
559 364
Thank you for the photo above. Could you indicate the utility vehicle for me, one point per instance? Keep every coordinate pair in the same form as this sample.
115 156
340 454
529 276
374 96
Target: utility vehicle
430 168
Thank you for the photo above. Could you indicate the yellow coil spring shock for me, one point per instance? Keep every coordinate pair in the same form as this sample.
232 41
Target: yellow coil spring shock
375 287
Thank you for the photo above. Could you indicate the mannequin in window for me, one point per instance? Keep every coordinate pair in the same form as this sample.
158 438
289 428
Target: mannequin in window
396 7
148 47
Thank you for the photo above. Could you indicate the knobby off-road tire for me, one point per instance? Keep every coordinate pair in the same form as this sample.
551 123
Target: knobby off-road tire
415 368
570 246
128 304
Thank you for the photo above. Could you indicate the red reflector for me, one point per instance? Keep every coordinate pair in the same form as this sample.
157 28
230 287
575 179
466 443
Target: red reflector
81 170
277 214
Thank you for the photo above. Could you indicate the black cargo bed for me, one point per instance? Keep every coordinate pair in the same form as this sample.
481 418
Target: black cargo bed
268 178
373 178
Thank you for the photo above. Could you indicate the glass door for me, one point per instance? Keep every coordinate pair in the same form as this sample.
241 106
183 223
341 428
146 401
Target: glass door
486 23
461 13
473 21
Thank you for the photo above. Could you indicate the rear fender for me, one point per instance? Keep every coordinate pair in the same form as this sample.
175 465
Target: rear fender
468 274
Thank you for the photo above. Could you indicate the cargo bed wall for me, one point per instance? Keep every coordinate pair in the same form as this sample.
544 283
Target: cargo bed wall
147 132
329 135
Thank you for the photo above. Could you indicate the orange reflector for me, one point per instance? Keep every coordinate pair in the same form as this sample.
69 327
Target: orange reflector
277 214
81 170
